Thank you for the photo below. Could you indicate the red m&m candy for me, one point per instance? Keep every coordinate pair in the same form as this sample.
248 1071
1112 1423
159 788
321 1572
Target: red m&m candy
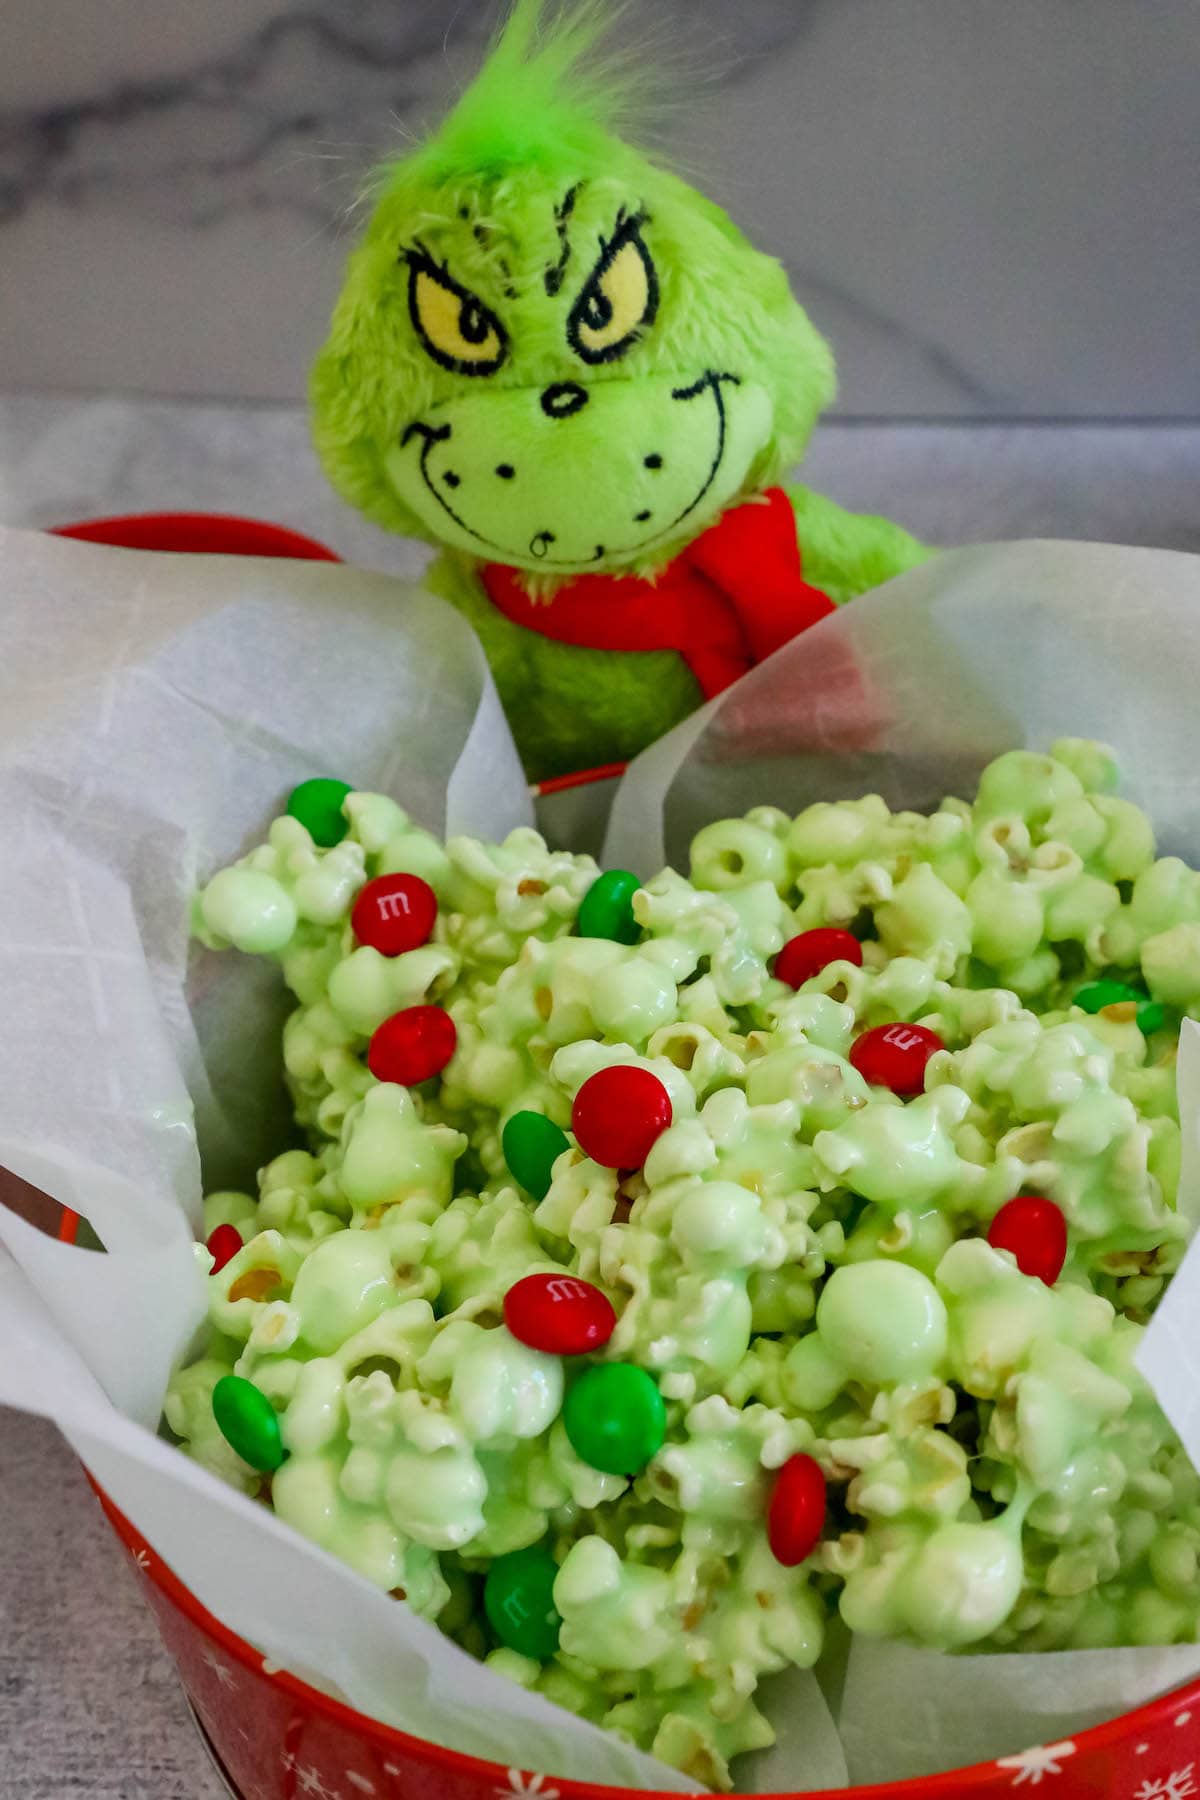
805 956
894 1056
796 1512
1035 1231
224 1242
559 1314
413 1045
395 913
619 1114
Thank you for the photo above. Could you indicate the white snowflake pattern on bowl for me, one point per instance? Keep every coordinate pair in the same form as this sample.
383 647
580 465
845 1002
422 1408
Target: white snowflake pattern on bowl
1178 1785
526 1787
1035 1764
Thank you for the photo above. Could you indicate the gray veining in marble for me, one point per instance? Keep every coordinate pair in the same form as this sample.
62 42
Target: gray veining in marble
990 209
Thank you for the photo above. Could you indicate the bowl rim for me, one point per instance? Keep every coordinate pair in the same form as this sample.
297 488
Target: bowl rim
183 533
561 784
949 1784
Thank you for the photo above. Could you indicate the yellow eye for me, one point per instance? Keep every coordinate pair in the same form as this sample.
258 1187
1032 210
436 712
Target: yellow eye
454 325
619 300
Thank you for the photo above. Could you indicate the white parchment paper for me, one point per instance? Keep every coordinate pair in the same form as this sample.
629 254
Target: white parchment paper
154 712
909 692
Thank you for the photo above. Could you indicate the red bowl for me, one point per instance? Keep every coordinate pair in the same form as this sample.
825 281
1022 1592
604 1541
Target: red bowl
277 1738
215 534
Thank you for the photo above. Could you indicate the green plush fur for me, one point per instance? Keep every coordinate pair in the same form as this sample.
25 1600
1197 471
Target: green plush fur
553 353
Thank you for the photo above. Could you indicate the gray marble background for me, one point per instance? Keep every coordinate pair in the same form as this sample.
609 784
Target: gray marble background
990 208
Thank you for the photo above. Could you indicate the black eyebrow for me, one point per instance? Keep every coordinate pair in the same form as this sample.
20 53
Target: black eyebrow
554 277
416 256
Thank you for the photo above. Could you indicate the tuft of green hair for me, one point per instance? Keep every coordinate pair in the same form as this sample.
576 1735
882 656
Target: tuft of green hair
550 111
547 94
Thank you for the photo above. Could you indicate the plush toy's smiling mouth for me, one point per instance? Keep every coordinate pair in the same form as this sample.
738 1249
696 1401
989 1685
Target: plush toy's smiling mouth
540 543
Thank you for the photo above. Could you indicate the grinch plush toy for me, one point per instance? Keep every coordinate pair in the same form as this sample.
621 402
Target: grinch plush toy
566 367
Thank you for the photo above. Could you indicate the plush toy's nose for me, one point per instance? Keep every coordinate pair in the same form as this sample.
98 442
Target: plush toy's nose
563 398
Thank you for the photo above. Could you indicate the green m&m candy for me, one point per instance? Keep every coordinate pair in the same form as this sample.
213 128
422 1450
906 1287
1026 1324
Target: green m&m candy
1094 996
248 1422
318 806
615 1418
531 1142
518 1597
607 908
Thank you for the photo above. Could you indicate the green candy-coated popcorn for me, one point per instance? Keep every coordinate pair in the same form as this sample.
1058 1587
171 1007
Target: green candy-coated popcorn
342 1286
1128 846
1008 918
1171 964
633 1002
436 1495
502 1389
248 909
996 1314
849 832
883 1322
720 1219
799 1266
733 853
813 1375
615 1615
1077 908
390 1152
823 1085
230 1208
188 1411
1025 786
926 918
963 1584
367 987
306 1493
1094 765
897 1155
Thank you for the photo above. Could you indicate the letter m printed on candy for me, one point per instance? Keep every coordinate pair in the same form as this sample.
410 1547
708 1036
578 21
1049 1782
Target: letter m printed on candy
559 1314
565 1287
395 913
391 906
894 1056
514 1608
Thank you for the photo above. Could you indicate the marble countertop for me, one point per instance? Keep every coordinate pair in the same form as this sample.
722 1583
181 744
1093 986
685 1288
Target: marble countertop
987 209
88 1701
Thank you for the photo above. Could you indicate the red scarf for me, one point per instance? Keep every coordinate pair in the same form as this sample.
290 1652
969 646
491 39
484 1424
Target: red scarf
726 602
